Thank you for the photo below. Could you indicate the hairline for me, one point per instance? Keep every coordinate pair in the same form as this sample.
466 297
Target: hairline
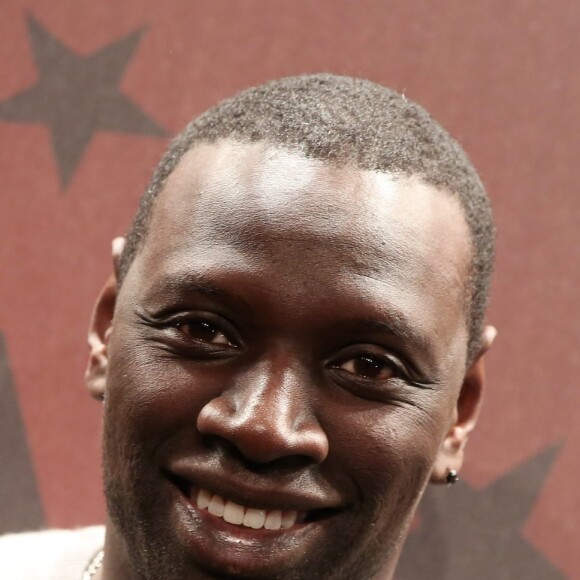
467 284
349 122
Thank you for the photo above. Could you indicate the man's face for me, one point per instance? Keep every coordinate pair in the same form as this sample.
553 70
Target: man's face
289 345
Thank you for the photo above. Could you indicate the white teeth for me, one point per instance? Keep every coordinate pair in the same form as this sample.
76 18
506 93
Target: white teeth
288 519
216 506
249 517
203 499
254 518
273 520
233 513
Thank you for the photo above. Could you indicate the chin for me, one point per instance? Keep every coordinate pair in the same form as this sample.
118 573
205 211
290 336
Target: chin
166 538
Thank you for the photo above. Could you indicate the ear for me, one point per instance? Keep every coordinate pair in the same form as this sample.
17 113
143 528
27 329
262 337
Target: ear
451 452
100 329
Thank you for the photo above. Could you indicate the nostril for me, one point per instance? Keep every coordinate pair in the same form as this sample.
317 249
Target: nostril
255 464
264 428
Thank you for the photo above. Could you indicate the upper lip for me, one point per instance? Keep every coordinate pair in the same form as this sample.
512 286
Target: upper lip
258 492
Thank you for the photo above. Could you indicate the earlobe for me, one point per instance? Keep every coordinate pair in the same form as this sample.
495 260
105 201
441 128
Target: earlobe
100 330
451 453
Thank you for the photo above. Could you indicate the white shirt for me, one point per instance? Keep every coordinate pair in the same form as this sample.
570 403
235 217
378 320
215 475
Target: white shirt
50 554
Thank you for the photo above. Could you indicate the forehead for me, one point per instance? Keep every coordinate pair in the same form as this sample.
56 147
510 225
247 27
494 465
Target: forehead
313 226
309 197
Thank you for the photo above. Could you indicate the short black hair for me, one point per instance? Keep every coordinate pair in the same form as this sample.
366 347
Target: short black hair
348 121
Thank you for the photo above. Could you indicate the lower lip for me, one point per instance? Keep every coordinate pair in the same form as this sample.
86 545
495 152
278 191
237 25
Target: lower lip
232 549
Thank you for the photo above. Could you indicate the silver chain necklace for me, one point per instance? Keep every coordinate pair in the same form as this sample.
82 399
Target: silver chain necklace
94 565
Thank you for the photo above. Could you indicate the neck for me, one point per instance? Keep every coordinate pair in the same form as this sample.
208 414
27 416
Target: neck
116 565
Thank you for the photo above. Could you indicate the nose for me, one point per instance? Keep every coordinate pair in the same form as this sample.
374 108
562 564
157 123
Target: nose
267 415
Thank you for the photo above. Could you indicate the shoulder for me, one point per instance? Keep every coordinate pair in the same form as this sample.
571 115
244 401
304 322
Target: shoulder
50 554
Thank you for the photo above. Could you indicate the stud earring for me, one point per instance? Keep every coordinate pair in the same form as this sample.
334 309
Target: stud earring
452 477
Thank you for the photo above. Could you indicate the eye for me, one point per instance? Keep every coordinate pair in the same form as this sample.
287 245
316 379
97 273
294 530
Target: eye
204 331
368 366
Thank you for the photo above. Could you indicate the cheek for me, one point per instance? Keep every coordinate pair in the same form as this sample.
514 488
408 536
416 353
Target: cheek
387 452
151 398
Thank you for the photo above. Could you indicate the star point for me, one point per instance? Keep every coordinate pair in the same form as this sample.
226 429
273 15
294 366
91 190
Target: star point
468 533
76 96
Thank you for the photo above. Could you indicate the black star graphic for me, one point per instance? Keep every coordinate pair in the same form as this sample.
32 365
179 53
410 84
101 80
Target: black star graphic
77 95
477 535
20 504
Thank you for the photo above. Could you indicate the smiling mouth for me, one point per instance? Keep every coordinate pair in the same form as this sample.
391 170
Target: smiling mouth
244 516
256 519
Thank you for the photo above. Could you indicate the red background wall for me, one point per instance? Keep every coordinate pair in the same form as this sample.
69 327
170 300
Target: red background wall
501 76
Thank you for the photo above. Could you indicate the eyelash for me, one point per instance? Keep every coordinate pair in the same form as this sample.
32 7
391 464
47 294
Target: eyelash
210 327
182 340
382 361
179 323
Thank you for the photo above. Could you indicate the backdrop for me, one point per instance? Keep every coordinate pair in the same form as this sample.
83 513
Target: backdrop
91 91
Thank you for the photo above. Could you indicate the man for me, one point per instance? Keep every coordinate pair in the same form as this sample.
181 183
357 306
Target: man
292 345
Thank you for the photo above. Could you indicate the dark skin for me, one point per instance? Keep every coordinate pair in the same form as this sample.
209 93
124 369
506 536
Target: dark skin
291 336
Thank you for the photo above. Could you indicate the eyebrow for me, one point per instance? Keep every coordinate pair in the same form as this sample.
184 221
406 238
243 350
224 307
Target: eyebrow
396 322
397 327
180 285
